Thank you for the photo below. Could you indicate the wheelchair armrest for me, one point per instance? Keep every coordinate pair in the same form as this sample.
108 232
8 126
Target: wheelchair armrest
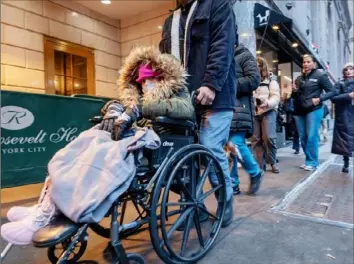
96 120
164 120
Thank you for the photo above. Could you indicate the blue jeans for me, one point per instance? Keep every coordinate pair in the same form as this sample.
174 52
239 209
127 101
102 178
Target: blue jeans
214 133
248 162
308 126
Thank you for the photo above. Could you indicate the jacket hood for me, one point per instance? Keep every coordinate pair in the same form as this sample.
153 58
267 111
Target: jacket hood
173 76
240 49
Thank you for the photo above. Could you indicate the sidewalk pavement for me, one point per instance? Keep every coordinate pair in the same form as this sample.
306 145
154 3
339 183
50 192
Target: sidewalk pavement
273 227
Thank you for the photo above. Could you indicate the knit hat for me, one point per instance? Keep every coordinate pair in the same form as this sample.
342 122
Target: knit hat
145 72
347 65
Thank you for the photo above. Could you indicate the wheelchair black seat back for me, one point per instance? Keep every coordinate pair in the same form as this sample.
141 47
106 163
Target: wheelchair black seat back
170 196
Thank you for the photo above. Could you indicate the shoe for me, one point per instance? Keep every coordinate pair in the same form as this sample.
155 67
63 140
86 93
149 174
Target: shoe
309 168
345 169
21 232
236 190
275 168
229 213
18 213
297 152
303 166
255 183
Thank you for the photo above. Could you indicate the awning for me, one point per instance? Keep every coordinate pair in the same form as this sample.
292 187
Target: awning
264 16
285 36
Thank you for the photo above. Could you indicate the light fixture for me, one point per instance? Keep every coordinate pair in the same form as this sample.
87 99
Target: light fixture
275 27
106 2
258 52
159 27
295 45
74 13
275 61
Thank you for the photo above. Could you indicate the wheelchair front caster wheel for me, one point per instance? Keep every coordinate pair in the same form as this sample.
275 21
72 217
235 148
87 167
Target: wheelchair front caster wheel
55 252
134 258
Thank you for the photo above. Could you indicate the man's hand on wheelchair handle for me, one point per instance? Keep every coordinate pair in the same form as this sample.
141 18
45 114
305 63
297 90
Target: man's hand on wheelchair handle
205 96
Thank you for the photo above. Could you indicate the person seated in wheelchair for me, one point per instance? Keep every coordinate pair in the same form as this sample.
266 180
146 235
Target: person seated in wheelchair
151 84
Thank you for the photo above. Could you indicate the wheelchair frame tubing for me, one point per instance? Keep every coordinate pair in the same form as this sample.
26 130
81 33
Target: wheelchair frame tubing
115 242
78 236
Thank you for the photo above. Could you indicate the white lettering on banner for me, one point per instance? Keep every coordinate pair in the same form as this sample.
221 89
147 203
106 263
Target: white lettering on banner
13 150
36 149
63 134
15 117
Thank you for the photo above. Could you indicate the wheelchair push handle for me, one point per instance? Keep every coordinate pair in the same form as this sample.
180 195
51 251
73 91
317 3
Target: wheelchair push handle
96 120
194 96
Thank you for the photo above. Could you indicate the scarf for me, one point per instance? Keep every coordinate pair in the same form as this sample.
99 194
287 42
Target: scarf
175 48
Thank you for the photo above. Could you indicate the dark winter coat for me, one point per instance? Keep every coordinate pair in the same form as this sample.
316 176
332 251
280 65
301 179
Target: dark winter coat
209 50
343 135
312 86
247 79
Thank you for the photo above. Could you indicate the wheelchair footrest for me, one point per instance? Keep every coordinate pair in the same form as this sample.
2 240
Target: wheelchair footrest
57 231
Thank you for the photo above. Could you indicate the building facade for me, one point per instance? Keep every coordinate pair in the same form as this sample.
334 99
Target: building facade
68 47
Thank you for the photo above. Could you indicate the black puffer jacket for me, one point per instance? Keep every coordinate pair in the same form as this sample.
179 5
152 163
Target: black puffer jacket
247 79
312 86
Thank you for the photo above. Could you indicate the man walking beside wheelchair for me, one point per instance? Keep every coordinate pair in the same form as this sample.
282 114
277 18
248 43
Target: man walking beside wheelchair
202 34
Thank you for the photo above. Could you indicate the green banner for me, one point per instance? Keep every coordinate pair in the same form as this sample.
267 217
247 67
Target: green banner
34 127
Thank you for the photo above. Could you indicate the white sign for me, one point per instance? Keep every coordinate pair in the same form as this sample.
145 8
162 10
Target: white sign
263 20
15 118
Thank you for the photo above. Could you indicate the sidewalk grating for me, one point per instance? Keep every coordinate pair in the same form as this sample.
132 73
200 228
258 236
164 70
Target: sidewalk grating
329 196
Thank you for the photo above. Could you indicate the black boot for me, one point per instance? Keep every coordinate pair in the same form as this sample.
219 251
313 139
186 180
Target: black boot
255 183
346 165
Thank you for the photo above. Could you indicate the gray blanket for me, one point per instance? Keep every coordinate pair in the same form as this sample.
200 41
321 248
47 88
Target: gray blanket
92 171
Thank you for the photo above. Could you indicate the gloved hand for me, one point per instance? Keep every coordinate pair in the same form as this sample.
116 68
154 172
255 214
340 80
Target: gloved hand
124 122
112 111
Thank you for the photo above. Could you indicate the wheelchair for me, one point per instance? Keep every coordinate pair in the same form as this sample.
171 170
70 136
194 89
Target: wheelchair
168 193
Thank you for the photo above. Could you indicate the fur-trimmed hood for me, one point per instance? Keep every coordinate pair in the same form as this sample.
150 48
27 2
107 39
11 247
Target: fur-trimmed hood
171 71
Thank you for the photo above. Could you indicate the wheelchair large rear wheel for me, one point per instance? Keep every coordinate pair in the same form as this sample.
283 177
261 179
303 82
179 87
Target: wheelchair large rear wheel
184 227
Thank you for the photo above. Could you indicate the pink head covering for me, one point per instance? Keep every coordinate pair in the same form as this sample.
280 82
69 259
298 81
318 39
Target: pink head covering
145 71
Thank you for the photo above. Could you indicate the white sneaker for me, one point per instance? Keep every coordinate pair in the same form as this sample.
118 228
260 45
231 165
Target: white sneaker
303 166
18 213
309 168
21 232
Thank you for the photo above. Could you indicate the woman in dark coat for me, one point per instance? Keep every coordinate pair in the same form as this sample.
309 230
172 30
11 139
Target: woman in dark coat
343 135
242 126
308 106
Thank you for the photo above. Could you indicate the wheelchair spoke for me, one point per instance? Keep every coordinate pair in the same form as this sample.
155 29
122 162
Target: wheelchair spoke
203 178
187 232
178 222
205 195
199 229
206 211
